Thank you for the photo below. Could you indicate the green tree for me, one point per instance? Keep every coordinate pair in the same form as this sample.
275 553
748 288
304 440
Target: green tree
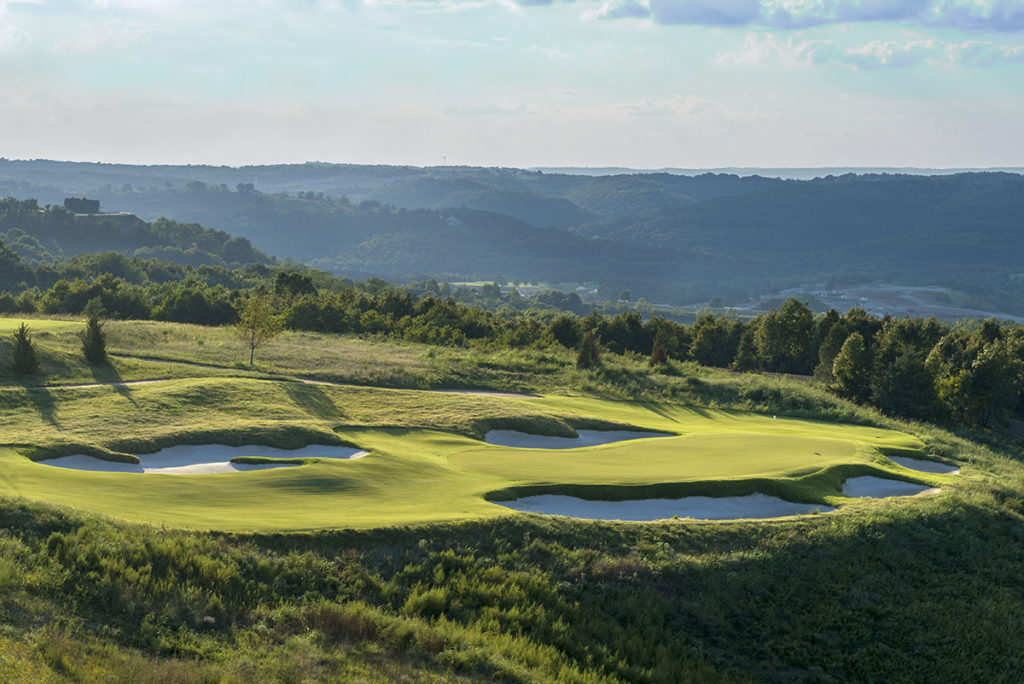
785 338
994 387
94 341
747 357
589 353
24 357
714 341
257 323
903 387
295 284
565 328
852 369
828 350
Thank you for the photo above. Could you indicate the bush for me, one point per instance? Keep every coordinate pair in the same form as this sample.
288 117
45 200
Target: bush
659 356
24 358
94 341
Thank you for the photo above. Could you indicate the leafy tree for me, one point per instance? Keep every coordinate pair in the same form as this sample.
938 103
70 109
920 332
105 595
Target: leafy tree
565 328
624 332
747 357
589 353
295 285
828 350
785 338
852 369
257 323
994 383
714 341
94 341
24 358
903 387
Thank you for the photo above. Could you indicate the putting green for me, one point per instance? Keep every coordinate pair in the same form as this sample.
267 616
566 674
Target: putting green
669 459
420 469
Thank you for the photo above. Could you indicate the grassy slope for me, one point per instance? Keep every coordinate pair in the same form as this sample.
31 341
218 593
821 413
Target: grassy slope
420 441
927 588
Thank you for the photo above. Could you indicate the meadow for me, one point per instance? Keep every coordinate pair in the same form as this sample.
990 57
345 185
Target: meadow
400 564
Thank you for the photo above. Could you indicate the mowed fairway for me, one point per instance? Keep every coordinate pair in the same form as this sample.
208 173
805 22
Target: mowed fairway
426 461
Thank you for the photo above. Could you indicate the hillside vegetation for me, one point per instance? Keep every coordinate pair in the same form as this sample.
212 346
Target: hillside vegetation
927 587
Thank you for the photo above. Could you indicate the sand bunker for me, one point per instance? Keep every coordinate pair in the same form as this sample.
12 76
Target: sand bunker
924 466
524 440
204 459
701 507
872 487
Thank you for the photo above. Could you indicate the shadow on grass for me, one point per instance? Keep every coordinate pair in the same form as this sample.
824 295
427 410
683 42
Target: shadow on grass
313 400
659 408
43 402
106 373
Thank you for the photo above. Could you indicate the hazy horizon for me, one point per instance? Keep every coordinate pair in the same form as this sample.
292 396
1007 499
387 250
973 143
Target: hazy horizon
789 172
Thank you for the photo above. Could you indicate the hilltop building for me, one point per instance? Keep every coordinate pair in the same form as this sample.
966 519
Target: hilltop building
81 205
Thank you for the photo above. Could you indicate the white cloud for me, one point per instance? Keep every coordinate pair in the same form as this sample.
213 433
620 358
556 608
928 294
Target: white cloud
619 9
877 53
767 48
984 53
763 48
550 52
11 36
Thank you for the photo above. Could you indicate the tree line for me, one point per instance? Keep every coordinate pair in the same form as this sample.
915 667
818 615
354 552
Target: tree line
912 368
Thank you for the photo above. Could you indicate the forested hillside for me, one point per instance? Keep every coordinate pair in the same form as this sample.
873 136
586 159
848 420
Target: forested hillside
45 234
668 238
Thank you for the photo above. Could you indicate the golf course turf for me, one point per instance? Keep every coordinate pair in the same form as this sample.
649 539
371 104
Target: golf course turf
427 461
409 564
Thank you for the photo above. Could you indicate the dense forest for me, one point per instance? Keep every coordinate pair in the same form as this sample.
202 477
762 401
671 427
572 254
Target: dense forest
669 238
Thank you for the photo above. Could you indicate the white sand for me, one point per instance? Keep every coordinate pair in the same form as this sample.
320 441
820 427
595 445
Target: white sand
701 507
925 466
203 459
524 440
868 486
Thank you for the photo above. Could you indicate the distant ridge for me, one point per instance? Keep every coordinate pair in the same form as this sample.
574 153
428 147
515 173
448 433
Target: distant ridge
786 173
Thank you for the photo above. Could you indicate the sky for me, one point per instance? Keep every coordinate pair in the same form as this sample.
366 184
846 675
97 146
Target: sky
637 83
